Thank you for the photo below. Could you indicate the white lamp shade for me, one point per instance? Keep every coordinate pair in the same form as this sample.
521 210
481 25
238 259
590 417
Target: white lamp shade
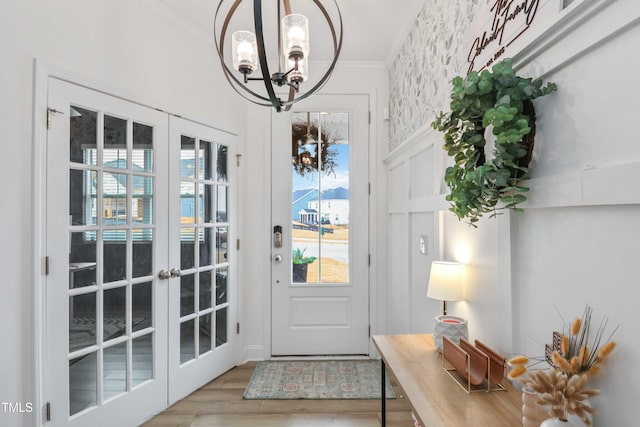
445 281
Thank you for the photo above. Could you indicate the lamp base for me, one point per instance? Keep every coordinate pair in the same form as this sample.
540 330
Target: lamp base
453 327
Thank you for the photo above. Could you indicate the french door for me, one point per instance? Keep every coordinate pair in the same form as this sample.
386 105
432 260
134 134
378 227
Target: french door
115 235
320 249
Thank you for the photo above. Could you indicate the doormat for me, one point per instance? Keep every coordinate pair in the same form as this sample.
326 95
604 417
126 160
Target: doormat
317 379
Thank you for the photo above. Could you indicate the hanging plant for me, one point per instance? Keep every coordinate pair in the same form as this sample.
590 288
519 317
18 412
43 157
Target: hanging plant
498 100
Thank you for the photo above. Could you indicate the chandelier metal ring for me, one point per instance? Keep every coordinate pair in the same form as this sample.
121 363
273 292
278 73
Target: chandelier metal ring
271 99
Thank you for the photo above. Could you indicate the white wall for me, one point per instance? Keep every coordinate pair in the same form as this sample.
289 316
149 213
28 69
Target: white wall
136 50
577 241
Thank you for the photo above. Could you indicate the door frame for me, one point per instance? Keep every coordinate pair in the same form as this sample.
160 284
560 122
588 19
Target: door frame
377 323
42 72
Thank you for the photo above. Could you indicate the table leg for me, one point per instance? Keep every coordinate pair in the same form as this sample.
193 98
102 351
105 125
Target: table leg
382 395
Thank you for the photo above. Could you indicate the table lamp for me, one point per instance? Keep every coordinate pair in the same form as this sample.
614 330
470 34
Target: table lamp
445 284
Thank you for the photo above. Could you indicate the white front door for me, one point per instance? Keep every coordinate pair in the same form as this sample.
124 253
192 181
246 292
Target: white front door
202 290
140 295
320 247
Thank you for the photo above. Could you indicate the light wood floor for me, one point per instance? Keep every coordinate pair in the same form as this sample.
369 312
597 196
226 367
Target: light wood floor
220 404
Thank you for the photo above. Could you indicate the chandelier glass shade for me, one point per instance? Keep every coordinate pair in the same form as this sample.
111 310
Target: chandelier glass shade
248 52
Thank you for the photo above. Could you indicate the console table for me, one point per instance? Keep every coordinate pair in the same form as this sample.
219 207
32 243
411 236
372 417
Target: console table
435 398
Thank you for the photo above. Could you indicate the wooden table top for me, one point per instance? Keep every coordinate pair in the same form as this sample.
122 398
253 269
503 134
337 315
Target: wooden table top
436 399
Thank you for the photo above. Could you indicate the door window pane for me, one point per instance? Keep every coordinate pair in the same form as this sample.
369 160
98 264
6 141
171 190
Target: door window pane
221 211
82 321
206 243
142 363
82 261
205 334
221 327
114 255
142 154
206 284
187 248
221 244
114 198
221 164
205 160
187 341
142 263
141 304
206 201
83 384
142 212
187 294
221 285
114 370
187 157
83 136
115 142
187 202
114 314
320 198
82 197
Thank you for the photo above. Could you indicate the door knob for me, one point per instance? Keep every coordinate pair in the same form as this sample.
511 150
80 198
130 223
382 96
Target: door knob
164 274
277 258
175 272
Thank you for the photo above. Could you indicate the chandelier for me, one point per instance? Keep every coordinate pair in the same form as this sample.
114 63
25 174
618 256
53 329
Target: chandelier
248 53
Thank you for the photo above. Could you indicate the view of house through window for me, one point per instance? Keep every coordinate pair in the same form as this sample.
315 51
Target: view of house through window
320 197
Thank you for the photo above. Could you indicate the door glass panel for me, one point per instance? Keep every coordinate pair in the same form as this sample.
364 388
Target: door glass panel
206 204
320 198
141 304
114 314
82 321
142 354
205 334
206 243
114 255
115 142
221 285
187 294
114 198
187 248
221 212
187 202
83 383
82 197
82 260
221 164
221 244
187 341
205 161
221 327
83 130
142 154
115 370
205 289
142 248
142 200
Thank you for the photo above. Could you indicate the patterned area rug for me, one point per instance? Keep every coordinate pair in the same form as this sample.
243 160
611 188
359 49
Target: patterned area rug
318 379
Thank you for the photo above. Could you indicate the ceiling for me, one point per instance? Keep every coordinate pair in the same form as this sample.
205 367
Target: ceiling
373 29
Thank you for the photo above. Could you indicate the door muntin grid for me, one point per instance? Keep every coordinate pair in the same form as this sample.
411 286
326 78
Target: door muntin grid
111 233
203 247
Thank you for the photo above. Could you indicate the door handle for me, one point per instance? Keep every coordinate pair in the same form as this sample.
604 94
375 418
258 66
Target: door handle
175 272
277 258
164 275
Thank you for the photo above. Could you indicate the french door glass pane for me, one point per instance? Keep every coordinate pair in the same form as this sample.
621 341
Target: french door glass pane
187 248
187 341
142 154
205 289
142 355
83 130
83 383
221 285
221 244
82 321
221 164
115 142
141 304
82 196
221 212
82 260
114 198
114 255
142 248
142 212
206 201
221 326
187 294
206 246
205 160
114 372
205 334
114 312
320 197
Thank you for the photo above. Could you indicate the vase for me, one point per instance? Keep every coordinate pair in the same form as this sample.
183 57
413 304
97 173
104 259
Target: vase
532 413
556 422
